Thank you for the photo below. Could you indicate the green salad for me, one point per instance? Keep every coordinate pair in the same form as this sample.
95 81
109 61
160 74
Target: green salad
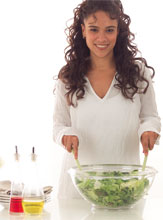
112 192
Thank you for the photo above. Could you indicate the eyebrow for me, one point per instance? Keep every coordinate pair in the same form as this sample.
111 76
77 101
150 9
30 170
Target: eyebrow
111 26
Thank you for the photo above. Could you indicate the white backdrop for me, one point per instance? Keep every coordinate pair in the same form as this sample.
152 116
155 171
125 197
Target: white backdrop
32 42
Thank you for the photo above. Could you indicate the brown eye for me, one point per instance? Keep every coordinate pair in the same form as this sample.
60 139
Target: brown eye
93 30
110 30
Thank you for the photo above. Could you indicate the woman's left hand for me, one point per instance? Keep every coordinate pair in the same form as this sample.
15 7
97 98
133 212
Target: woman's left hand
148 140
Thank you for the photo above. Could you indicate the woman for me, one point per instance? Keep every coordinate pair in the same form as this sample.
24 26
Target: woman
105 103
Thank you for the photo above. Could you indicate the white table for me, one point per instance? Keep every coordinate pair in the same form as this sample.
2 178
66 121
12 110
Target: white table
79 209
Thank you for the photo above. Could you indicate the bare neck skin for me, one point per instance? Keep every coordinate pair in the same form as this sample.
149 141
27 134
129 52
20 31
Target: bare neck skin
102 67
101 75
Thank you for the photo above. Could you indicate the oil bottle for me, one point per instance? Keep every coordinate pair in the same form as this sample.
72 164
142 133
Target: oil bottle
33 195
16 188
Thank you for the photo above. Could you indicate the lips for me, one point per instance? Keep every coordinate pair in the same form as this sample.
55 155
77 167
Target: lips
101 46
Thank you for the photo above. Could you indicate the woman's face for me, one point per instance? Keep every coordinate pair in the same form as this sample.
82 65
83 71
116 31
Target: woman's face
101 34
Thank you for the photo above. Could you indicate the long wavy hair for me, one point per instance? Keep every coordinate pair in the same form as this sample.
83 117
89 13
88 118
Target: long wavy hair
77 54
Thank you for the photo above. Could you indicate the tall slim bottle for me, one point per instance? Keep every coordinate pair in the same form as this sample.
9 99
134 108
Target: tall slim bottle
33 195
16 188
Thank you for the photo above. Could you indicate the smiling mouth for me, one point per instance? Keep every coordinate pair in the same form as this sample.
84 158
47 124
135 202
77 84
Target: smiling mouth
101 46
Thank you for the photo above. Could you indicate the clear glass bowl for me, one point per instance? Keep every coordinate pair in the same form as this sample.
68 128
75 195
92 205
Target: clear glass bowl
112 186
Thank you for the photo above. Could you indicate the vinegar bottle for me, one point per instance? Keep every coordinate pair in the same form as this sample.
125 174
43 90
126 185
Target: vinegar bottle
16 188
33 196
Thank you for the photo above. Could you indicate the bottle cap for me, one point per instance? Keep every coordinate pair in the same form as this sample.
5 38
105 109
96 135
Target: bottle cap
17 156
33 155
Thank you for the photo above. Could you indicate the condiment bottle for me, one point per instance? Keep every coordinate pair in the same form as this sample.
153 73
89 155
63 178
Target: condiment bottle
16 188
33 195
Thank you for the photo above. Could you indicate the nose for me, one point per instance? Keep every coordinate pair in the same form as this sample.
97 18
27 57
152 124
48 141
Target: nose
101 37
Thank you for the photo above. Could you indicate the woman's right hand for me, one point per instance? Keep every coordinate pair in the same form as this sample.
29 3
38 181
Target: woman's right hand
71 142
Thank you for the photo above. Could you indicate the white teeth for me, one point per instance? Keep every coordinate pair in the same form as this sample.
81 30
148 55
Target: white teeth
101 46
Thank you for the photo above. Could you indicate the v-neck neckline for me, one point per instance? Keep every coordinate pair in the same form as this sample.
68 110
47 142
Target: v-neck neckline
106 94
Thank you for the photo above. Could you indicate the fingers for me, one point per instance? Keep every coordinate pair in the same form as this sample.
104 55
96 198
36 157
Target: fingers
145 142
148 140
75 147
71 142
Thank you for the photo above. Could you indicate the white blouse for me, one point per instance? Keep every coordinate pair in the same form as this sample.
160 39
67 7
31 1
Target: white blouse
109 128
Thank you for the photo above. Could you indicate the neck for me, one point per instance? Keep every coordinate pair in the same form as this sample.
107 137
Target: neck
102 64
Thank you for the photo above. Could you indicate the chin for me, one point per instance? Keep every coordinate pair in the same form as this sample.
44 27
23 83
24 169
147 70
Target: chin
102 55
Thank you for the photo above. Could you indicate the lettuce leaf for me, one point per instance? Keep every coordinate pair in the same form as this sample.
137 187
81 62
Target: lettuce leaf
112 192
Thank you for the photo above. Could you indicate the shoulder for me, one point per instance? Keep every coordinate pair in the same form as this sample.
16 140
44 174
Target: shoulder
145 79
144 70
59 87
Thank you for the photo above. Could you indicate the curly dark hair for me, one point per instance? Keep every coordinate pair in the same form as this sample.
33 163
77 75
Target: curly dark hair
77 54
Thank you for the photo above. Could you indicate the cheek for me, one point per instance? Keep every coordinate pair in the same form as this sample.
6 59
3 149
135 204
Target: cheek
113 39
90 39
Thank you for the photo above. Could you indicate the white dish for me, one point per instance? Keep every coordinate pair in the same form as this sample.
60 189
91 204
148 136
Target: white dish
5 187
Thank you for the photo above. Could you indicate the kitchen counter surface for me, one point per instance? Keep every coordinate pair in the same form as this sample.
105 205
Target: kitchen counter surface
150 208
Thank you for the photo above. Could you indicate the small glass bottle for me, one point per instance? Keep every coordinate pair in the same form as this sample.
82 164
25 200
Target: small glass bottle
33 195
16 188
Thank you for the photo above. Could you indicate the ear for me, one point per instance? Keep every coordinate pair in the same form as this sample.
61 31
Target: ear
83 30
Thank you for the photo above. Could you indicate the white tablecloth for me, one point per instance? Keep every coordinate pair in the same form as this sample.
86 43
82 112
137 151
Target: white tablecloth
78 209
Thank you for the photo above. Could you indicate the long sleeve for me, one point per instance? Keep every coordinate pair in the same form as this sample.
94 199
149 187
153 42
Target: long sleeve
61 117
149 119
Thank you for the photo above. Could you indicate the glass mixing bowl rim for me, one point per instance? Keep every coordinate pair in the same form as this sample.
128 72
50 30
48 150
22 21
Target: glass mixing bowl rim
147 172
